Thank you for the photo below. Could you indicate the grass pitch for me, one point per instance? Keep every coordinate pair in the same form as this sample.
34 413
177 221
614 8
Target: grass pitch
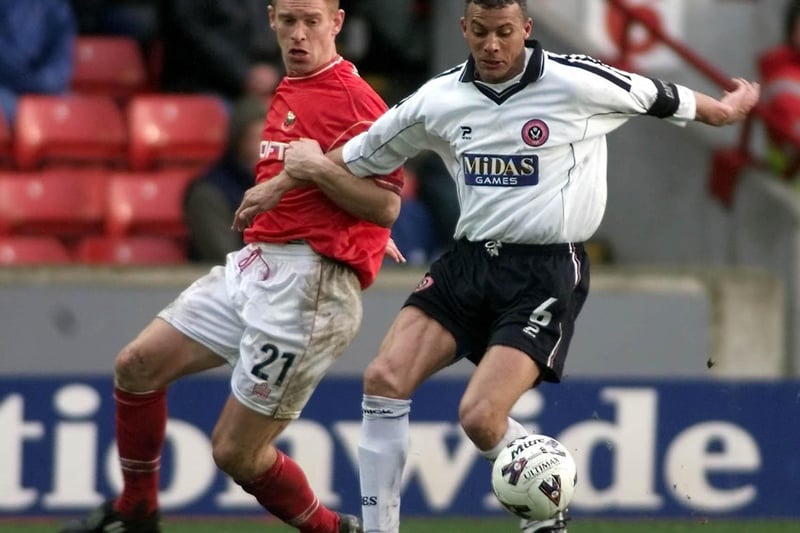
447 525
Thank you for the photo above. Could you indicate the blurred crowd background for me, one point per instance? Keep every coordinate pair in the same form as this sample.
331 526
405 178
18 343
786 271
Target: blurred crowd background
130 128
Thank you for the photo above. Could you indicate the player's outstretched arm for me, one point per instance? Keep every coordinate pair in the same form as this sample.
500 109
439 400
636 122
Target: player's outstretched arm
732 107
360 197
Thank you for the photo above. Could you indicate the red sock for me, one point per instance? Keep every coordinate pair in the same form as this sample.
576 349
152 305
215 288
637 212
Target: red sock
141 424
283 490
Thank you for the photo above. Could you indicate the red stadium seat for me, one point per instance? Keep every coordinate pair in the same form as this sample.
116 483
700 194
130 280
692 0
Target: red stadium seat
175 130
69 130
130 251
142 203
63 202
32 251
108 65
6 144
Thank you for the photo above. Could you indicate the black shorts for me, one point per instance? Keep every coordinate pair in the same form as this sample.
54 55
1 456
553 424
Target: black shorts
518 295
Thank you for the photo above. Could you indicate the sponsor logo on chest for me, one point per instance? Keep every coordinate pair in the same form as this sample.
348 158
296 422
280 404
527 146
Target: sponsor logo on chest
273 150
489 170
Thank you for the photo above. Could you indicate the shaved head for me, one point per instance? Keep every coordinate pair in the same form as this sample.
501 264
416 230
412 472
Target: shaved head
496 4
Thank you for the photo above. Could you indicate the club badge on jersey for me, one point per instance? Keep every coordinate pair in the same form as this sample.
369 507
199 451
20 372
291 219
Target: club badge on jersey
291 118
535 133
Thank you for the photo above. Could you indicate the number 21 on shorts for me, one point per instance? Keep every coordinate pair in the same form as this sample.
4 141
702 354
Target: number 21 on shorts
274 355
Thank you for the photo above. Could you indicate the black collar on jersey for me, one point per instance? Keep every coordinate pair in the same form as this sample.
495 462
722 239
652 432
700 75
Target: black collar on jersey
533 71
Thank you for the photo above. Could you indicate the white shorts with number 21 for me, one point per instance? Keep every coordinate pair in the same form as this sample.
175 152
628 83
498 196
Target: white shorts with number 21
280 315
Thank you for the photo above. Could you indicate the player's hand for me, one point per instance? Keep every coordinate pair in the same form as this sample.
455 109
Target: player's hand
393 252
304 159
260 198
741 99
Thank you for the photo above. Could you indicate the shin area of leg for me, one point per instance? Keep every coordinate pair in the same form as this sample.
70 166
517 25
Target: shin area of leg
382 452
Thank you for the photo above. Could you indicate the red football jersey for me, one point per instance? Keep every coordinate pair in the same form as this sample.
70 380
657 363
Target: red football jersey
330 106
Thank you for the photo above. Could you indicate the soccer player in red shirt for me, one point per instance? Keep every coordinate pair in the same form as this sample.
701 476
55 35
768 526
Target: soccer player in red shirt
281 310
779 70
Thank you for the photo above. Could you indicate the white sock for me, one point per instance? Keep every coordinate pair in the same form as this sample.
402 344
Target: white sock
382 451
515 430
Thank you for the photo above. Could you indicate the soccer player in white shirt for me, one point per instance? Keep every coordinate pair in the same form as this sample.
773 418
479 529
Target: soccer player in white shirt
522 132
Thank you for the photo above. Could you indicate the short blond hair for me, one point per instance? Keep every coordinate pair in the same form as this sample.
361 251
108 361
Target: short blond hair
333 4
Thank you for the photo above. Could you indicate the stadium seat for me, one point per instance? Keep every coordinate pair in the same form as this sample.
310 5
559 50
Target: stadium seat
69 130
130 251
109 65
175 130
32 251
147 203
60 202
6 144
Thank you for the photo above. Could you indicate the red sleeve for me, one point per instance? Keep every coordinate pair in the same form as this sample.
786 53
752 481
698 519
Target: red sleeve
370 107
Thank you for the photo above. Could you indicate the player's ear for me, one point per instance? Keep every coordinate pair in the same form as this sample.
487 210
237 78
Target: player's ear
271 16
528 28
338 21
464 26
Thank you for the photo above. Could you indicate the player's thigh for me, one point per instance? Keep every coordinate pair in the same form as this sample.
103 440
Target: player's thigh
159 355
298 322
502 377
205 312
199 329
539 310
415 347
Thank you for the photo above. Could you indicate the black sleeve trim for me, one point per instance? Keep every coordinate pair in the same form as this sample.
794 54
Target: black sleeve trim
667 100
618 78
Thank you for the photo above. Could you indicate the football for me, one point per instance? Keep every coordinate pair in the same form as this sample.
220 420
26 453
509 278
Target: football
534 477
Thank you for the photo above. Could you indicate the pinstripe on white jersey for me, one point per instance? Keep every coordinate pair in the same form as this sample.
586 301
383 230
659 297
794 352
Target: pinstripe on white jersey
528 156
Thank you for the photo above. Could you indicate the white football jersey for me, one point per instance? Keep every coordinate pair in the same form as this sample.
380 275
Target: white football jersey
528 156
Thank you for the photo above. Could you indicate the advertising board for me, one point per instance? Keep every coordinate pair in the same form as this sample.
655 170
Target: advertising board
672 448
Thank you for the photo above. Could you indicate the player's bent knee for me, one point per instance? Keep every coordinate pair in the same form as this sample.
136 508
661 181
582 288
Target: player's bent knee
240 463
240 451
134 371
224 456
230 458
482 424
380 379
